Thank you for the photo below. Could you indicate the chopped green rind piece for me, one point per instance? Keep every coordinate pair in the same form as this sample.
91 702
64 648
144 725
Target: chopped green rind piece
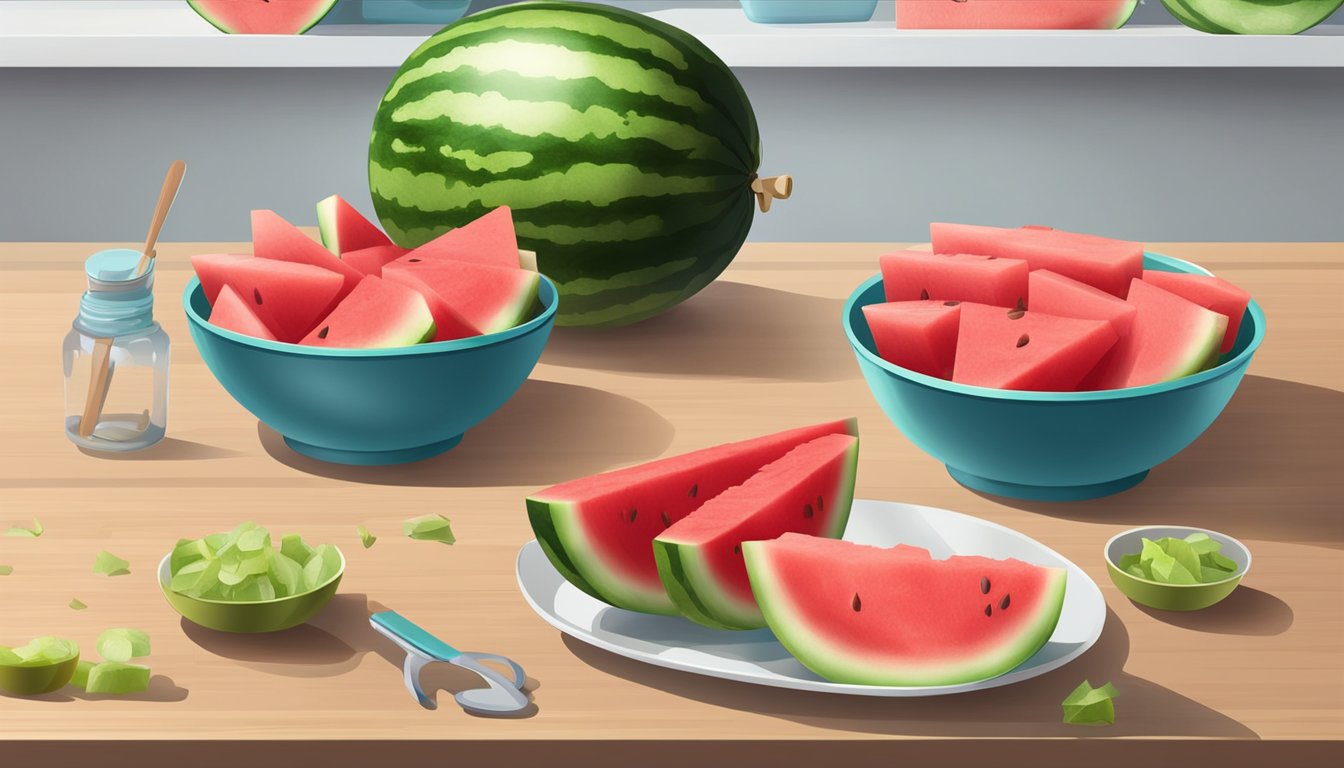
27 533
81 678
5 570
293 546
117 678
77 604
123 644
322 566
1090 706
286 574
107 563
365 538
430 528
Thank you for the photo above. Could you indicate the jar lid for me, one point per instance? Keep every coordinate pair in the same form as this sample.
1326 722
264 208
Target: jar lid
112 268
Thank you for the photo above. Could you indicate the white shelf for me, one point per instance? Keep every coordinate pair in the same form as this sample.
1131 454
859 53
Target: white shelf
166 33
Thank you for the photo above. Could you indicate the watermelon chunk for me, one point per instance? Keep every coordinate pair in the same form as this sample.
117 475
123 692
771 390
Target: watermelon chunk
344 229
1027 350
370 260
1212 293
488 298
489 240
263 17
866 615
916 275
1054 294
1171 338
231 313
275 238
918 335
1098 261
809 490
1013 14
598 531
378 313
289 298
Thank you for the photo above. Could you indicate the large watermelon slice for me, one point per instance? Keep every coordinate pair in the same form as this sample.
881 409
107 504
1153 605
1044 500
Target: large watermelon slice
918 335
488 298
872 616
1171 338
263 17
1053 294
1098 261
916 275
1013 14
378 313
343 228
488 240
1026 350
230 312
598 531
699 558
1212 293
275 238
289 298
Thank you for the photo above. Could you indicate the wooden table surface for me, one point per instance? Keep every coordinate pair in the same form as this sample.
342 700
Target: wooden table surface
1260 675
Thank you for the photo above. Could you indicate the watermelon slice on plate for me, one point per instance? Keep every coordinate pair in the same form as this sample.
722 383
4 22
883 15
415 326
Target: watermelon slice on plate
275 238
918 275
1171 338
289 298
854 613
263 17
230 312
378 313
489 240
1027 350
1098 261
1212 293
598 531
1054 294
488 298
344 229
918 335
808 491
371 260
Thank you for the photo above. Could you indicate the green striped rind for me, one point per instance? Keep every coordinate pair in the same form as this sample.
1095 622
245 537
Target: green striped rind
1252 17
1204 348
625 148
840 663
517 310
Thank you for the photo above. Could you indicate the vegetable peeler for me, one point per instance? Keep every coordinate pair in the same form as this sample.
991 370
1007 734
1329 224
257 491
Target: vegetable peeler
502 696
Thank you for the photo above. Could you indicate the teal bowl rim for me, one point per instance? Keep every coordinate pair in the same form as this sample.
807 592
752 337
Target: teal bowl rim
970 390
1106 555
165 568
547 293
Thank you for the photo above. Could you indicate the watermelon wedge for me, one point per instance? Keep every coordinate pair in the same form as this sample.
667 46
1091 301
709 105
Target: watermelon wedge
370 260
344 229
866 615
489 240
378 313
1027 350
230 312
1013 14
1054 294
1171 338
1098 261
289 298
916 275
918 335
598 531
275 238
488 298
809 490
1212 293
263 17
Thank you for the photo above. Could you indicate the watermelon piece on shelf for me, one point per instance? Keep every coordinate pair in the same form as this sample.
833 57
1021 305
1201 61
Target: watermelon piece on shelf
809 491
1027 350
275 238
231 313
488 299
988 279
867 615
1013 14
1172 337
263 17
1212 293
1055 294
489 240
1098 261
289 298
344 229
378 313
918 335
598 531
371 260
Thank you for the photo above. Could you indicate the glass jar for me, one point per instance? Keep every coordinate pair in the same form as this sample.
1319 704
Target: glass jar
116 358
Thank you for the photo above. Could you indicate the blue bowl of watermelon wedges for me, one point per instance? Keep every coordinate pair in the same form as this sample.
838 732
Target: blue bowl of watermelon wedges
372 406
1050 446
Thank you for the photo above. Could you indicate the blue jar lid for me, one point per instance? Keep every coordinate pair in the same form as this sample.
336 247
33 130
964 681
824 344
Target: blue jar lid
115 265
119 300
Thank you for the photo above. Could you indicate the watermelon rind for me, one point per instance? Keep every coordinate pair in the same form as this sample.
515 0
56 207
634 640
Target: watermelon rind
320 13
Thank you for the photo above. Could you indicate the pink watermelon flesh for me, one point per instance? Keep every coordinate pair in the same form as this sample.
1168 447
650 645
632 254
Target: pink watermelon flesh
918 275
866 615
1012 349
370 261
809 491
918 335
1013 14
489 240
1212 293
344 229
1098 261
1054 294
598 531
490 299
289 298
232 313
376 314
263 17
1171 338
275 238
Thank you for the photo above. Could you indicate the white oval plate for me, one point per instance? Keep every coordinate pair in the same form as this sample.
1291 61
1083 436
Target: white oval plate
756 657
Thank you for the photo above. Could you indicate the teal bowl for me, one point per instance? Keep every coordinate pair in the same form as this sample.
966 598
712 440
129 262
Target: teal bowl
1050 446
371 406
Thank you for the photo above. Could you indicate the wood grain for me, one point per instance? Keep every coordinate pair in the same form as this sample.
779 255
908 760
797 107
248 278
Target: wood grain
759 350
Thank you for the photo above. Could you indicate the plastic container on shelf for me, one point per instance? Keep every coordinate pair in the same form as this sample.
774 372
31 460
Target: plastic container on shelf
414 11
808 11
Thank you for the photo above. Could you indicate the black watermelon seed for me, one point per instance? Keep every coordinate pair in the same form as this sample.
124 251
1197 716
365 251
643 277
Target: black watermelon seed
633 513
821 504
984 585
667 521
1016 314
1023 341
256 295
414 261
807 510
1021 304
857 605
694 490
988 609
322 334
991 258
737 549
924 294
951 303
1003 604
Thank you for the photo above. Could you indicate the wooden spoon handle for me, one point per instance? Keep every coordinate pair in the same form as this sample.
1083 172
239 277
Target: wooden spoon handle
171 183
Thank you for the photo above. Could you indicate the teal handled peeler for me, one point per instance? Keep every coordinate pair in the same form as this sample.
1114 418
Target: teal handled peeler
502 696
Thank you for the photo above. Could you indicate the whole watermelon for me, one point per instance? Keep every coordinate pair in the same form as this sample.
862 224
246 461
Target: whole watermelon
1252 17
625 148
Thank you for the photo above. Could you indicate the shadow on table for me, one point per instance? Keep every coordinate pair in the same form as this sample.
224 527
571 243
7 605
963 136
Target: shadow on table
161 689
1277 447
1246 611
547 433
728 329
168 449
1027 709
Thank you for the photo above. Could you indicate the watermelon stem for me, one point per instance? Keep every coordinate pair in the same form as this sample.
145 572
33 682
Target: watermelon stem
771 188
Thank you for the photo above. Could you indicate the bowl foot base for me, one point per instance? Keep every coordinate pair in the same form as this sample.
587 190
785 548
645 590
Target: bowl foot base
372 458
1045 492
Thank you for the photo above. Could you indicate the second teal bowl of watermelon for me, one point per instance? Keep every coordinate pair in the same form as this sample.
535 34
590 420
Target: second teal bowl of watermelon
372 406
1050 446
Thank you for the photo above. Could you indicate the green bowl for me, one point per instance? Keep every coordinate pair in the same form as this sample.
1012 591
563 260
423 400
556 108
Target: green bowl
1173 597
32 681
263 616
